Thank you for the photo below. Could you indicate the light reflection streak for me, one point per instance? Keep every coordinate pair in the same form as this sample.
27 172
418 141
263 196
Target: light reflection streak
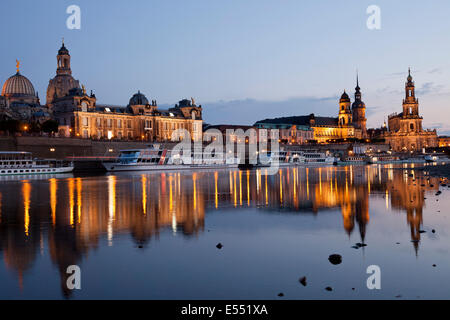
111 207
26 193
53 198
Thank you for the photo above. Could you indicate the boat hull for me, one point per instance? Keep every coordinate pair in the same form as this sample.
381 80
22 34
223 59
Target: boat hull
117 167
33 171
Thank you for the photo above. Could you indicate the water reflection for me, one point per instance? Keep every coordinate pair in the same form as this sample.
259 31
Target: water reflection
73 215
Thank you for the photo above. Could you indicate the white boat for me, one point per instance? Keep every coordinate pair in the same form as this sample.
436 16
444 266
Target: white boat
383 159
290 158
431 158
353 160
316 158
22 163
156 159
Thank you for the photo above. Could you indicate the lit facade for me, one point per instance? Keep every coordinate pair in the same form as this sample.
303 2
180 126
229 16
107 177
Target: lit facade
405 131
79 115
349 124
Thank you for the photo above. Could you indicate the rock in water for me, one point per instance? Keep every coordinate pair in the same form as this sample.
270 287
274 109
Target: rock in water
219 246
302 280
335 259
360 245
329 288
281 294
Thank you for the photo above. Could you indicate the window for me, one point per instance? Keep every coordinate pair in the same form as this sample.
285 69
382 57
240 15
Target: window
129 124
99 122
85 134
85 121
411 126
109 123
119 123
84 106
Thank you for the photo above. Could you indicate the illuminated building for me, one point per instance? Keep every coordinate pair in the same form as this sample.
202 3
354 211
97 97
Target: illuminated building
349 124
79 115
405 131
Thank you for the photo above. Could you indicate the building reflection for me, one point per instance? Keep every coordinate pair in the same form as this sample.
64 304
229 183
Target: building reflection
75 215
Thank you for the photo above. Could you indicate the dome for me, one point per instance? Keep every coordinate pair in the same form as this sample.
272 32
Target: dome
18 85
138 99
63 50
345 97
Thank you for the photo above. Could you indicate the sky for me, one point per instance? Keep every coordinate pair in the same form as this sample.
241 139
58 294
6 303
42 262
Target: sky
244 60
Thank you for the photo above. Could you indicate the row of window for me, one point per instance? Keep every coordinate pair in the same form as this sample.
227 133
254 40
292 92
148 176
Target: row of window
29 171
15 163
148 124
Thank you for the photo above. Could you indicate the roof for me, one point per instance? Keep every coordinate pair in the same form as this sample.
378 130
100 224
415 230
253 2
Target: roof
18 85
223 127
301 121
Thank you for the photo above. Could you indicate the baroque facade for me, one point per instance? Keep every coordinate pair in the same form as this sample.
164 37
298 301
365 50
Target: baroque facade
79 115
405 131
349 124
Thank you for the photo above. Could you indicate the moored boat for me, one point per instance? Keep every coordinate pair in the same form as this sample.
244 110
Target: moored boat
22 163
155 158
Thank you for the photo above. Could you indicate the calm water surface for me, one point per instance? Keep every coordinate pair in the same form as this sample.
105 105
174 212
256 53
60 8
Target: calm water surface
154 236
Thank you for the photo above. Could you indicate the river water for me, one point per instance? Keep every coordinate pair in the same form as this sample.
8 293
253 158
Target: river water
154 236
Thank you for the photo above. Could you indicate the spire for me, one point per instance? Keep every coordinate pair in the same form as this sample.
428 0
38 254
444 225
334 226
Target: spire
357 80
409 75
17 65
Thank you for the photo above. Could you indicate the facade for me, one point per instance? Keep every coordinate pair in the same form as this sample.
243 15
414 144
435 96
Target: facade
349 124
287 133
443 141
405 131
79 115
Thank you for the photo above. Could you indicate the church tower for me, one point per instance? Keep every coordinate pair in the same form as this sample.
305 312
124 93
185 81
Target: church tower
345 114
410 104
359 111
63 82
63 61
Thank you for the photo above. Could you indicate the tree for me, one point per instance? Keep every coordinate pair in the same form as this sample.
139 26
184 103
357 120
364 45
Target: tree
11 126
50 126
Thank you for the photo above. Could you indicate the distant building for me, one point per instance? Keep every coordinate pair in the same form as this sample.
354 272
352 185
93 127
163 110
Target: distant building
230 133
287 133
405 131
443 141
79 115
349 124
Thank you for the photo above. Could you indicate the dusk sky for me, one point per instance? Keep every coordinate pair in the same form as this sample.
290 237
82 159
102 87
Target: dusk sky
241 60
